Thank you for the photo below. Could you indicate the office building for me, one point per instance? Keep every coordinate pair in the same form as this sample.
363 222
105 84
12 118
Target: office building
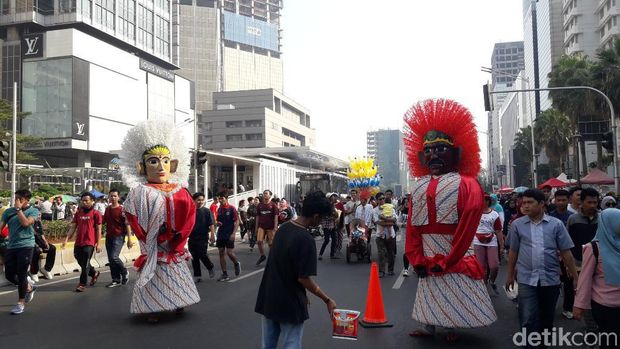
387 148
229 45
590 25
255 119
87 71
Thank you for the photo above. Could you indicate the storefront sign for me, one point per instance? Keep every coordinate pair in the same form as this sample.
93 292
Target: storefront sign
62 143
32 46
156 70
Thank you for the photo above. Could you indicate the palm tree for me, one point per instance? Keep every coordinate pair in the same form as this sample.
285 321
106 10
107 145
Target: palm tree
523 156
606 75
554 130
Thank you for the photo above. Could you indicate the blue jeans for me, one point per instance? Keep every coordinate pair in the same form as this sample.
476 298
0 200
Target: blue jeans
114 245
537 306
291 334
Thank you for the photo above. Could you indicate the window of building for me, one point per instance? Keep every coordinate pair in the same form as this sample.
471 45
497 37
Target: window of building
234 138
104 13
253 123
127 19
234 124
64 6
47 92
145 27
208 126
162 36
253 136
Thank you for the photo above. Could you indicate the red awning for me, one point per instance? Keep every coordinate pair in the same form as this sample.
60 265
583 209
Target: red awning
553 183
597 176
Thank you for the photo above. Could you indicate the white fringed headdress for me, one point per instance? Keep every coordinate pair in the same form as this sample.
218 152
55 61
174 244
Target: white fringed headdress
145 135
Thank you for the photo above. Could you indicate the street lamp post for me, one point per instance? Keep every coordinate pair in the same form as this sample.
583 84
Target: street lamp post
612 115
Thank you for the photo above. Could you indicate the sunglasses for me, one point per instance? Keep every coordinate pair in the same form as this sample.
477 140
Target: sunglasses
610 204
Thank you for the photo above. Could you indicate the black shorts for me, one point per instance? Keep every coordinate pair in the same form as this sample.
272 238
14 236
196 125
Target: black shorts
224 243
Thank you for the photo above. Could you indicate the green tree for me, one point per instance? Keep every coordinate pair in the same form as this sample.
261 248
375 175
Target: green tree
6 119
523 156
605 75
554 130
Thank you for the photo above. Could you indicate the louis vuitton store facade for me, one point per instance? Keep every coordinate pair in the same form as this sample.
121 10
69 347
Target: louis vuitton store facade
82 94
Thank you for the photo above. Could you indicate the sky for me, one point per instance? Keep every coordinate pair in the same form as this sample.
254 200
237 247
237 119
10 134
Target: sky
358 65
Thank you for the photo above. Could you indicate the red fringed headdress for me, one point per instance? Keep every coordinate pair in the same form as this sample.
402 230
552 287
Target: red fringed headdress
450 118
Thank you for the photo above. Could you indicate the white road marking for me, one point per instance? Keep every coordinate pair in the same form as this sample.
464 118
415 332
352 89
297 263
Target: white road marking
247 275
52 282
399 282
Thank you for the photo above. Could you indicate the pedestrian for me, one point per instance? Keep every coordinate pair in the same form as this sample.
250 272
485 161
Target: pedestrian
549 206
404 215
243 215
251 222
386 235
100 205
86 226
363 216
117 228
21 241
575 199
608 202
58 209
582 228
228 223
599 281
535 240
328 223
162 214
488 241
561 211
349 209
266 223
42 246
285 212
199 238
339 223
443 153
46 209
282 299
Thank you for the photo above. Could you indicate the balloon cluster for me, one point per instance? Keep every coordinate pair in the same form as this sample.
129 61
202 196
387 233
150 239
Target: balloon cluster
362 174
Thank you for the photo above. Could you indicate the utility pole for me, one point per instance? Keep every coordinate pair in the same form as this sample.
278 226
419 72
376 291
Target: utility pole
14 146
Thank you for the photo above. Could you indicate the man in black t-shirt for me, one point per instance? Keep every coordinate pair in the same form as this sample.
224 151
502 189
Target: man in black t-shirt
197 243
292 261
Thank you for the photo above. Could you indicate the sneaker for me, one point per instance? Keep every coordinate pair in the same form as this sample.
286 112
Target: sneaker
30 294
567 314
211 273
405 272
261 259
494 288
113 284
80 288
224 277
47 274
237 268
17 309
30 280
124 278
197 279
93 280
34 277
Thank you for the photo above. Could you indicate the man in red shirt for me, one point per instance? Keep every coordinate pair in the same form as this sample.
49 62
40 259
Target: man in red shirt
266 223
116 229
86 226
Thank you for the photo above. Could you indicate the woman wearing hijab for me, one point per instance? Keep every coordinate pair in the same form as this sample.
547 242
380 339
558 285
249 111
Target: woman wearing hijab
599 282
608 202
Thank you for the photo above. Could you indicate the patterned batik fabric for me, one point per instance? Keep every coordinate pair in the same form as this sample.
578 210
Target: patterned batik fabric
453 300
446 199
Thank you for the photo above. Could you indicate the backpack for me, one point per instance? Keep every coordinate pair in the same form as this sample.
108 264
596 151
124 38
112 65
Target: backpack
595 253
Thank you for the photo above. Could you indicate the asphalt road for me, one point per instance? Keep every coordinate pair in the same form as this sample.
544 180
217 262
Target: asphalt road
225 318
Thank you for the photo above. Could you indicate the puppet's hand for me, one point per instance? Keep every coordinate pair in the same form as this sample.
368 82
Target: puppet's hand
420 271
436 268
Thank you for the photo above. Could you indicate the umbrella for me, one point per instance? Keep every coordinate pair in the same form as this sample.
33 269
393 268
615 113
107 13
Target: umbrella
520 189
505 190
67 198
597 176
553 183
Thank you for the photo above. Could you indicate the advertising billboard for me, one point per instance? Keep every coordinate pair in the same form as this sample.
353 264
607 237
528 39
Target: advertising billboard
249 31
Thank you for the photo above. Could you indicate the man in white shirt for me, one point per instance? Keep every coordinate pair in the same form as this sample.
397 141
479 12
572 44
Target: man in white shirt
58 209
349 209
575 199
364 213
46 209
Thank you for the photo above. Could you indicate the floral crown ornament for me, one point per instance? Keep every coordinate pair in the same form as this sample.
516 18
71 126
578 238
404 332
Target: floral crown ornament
434 120
153 137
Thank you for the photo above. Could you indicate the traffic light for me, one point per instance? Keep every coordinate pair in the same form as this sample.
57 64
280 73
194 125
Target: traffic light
487 97
202 157
608 141
5 150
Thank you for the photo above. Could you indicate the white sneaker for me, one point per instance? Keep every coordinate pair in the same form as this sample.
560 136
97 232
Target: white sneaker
567 314
47 274
34 277
17 309
30 280
405 272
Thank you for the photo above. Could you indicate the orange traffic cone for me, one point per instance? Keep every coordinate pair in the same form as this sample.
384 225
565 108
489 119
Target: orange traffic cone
374 316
